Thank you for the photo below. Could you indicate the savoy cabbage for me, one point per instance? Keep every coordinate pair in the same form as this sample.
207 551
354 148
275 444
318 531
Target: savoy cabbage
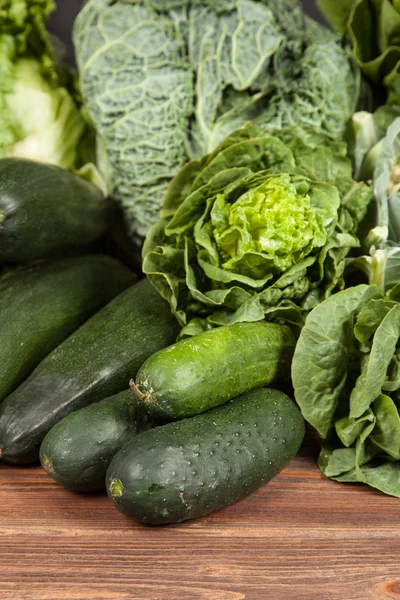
165 81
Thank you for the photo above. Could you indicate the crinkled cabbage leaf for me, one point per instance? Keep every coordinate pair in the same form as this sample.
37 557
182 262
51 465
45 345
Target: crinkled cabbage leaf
259 228
165 81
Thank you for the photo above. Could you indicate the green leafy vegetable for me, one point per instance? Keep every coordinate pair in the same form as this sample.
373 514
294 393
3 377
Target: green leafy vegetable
167 81
337 13
373 27
375 148
258 228
346 377
39 116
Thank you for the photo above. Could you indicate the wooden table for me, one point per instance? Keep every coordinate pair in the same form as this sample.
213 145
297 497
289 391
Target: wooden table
301 537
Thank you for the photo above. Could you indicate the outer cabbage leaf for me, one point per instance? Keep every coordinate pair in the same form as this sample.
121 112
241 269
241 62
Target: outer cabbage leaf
167 81
248 232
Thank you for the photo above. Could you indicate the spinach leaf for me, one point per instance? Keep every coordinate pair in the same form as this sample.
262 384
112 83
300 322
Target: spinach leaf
346 377
325 351
373 372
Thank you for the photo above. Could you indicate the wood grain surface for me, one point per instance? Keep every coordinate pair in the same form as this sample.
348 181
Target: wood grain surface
300 537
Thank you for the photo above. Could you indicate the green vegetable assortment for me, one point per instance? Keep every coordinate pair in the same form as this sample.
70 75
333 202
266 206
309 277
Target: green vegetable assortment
252 157
165 81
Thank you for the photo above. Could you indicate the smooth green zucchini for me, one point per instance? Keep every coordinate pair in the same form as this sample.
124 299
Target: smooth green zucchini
210 368
78 449
189 468
46 210
42 305
90 365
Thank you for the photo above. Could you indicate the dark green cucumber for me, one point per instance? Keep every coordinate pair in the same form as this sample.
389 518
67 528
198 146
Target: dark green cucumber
92 364
210 368
78 449
42 305
192 467
46 210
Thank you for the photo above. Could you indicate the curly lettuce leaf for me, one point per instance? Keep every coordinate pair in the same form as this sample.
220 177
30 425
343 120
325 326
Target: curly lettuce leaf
250 232
168 81
23 28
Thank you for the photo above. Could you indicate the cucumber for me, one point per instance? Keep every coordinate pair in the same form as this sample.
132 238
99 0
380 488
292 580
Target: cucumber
42 305
201 372
46 210
90 365
189 468
78 449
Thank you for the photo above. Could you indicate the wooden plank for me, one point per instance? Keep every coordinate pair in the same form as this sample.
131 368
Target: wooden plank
301 536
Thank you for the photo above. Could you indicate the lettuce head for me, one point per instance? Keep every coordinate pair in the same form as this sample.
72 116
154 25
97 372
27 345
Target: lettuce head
38 110
259 228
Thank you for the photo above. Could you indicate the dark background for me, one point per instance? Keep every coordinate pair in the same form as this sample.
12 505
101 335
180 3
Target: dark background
62 20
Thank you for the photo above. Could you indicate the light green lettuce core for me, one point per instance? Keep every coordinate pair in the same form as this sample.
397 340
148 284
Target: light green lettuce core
275 219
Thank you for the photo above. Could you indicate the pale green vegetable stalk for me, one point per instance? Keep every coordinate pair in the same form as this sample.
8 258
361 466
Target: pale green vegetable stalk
375 148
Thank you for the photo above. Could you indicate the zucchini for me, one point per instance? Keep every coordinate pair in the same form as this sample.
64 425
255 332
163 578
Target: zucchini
92 364
189 468
42 305
46 210
210 368
78 449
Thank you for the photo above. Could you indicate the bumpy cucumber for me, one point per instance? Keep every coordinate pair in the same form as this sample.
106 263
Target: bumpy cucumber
192 467
78 449
210 368
46 210
42 305
93 363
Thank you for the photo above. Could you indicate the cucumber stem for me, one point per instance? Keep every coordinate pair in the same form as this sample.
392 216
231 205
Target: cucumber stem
139 394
